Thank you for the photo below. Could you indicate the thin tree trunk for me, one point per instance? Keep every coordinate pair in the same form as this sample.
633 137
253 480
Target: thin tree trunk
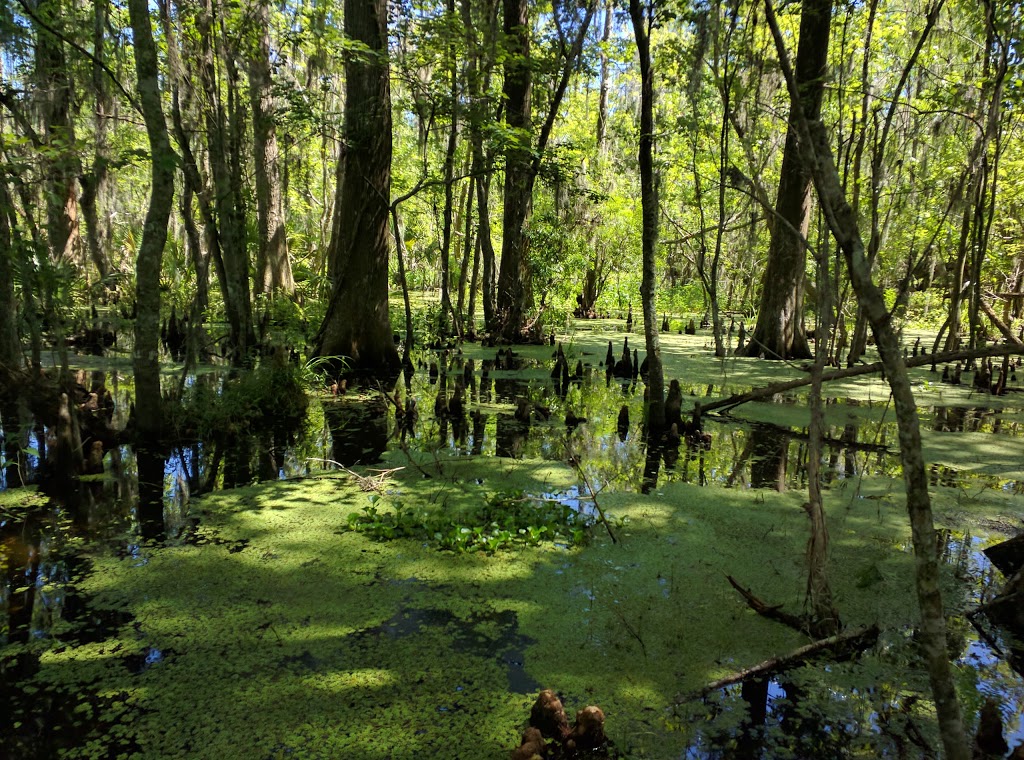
10 344
400 253
220 139
444 327
823 617
273 268
468 246
843 223
97 183
154 234
642 18
602 96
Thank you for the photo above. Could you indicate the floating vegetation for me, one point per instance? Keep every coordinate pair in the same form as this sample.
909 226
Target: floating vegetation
503 521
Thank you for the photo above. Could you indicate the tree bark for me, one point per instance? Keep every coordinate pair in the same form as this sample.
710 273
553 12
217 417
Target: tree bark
523 160
97 184
154 234
478 78
357 325
779 331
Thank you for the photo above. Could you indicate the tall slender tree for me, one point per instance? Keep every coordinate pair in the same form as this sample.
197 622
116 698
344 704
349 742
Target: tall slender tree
273 267
642 16
154 234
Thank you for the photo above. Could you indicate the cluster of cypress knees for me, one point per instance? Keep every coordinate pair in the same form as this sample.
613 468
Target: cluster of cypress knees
549 736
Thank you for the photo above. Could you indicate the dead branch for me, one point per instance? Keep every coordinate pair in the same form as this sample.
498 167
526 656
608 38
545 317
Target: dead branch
1003 328
842 646
772 612
861 369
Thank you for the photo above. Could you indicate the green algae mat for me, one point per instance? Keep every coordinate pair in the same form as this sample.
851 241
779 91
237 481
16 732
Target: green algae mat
278 631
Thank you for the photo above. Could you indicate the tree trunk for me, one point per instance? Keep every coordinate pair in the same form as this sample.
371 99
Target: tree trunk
154 234
273 268
61 160
400 254
823 619
602 96
514 282
478 78
468 246
445 325
356 325
10 343
779 331
642 18
97 184
230 222
843 223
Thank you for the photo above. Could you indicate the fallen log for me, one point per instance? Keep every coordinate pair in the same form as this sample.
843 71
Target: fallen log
861 369
841 646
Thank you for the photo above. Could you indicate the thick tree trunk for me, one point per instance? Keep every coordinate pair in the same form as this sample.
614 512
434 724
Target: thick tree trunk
779 331
154 234
514 282
841 220
273 269
642 18
61 161
357 325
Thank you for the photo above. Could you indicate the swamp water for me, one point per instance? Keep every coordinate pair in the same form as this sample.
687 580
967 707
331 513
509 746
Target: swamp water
254 622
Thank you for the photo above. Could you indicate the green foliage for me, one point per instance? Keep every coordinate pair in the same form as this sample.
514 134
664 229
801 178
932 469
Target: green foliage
505 520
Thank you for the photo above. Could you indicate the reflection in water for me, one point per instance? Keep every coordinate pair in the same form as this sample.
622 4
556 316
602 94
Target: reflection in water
769 457
512 436
359 430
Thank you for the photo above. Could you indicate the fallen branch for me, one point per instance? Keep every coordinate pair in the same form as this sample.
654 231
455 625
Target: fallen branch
860 369
843 646
772 612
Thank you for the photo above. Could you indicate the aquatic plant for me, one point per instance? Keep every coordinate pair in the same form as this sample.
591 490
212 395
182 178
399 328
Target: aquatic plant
504 520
